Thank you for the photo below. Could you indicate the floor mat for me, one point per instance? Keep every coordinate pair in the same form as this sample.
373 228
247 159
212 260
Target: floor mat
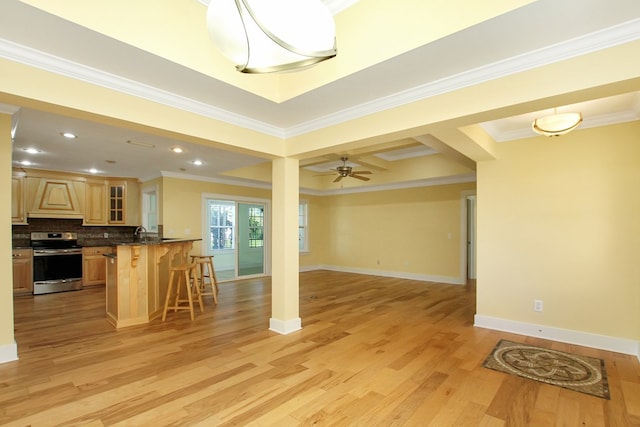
574 372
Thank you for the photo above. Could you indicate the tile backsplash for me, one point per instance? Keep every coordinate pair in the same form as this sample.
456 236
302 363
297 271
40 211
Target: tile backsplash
87 236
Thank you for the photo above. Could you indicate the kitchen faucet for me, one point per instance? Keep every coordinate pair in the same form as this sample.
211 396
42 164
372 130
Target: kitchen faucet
139 233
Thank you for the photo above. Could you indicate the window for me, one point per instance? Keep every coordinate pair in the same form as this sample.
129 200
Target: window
256 227
303 235
150 209
221 220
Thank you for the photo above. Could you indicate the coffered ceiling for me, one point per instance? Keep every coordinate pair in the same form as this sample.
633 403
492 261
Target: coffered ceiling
90 45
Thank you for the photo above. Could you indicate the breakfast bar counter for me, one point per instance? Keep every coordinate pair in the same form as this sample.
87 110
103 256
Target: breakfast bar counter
138 276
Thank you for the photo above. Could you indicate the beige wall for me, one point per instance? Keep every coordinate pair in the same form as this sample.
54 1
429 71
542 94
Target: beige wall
407 230
317 220
182 205
6 290
558 220
415 231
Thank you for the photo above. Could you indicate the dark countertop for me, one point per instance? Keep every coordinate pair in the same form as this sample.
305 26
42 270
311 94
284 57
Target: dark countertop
89 243
155 242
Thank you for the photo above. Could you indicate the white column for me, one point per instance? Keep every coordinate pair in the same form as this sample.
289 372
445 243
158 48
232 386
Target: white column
285 315
8 346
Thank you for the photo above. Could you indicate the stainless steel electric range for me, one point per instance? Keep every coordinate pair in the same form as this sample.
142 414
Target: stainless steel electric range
57 262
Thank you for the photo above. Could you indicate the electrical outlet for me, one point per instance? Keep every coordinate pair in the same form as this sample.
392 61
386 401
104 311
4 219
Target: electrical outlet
106 235
537 305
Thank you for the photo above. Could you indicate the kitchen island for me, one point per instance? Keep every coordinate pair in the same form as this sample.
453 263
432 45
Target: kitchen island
138 276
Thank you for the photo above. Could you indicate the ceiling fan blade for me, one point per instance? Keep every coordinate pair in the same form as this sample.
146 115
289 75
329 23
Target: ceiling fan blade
362 172
338 178
363 178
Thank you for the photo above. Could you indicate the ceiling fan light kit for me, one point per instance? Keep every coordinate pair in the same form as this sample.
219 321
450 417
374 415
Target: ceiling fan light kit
557 124
347 171
270 36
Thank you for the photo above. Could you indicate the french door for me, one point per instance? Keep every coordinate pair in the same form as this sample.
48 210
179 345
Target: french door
236 234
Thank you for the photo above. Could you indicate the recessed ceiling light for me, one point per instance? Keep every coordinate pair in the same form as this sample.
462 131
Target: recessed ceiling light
197 162
111 162
25 163
69 135
32 150
176 149
93 170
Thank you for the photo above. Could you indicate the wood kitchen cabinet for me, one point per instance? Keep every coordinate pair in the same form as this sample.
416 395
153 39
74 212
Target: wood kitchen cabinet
112 202
55 196
94 271
18 200
124 202
96 202
22 271
117 202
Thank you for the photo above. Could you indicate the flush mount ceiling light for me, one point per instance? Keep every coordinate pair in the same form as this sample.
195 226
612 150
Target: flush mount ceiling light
557 124
69 135
176 150
270 36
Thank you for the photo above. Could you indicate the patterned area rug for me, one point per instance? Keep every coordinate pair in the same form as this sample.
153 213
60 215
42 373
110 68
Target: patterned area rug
579 373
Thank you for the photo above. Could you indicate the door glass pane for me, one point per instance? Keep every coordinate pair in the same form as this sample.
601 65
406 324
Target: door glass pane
250 239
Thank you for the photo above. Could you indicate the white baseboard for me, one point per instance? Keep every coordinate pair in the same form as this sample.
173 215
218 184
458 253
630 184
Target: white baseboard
285 327
603 342
396 274
8 353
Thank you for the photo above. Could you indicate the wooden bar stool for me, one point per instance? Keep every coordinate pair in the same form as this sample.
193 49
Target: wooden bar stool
204 269
182 275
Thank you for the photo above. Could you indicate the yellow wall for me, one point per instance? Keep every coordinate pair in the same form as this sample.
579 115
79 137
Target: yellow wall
6 290
406 230
182 205
316 217
558 221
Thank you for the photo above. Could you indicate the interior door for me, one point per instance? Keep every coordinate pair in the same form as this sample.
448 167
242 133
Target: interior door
251 239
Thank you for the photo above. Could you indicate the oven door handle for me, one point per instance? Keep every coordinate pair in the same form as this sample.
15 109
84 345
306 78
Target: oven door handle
45 252
55 282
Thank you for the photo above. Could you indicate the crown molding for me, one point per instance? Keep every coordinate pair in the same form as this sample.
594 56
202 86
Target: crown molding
599 40
455 179
227 181
589 43
47 62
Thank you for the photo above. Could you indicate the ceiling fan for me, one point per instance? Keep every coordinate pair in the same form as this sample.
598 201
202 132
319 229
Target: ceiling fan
344 171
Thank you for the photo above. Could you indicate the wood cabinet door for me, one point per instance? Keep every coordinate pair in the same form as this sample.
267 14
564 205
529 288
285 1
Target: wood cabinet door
22 271
117 203
96 203
18 204
95 265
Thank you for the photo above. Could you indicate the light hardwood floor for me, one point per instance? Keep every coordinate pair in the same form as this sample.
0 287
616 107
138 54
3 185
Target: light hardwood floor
373 351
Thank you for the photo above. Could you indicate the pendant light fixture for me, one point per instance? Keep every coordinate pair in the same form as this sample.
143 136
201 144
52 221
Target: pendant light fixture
557 124
268 36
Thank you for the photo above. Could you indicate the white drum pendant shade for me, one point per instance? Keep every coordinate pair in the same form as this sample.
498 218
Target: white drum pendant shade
276 35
